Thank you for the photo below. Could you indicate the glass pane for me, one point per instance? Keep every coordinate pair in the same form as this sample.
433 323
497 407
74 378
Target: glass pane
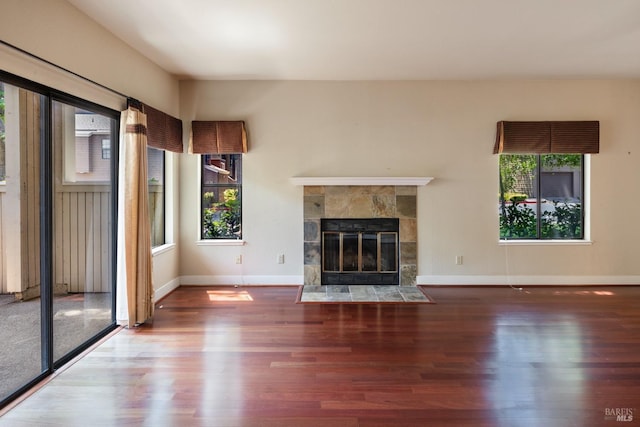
82 304
518 199
222 169
221 218
331 251
20 318
388 252
350 252
87 157
221 196
369 252
561 196
155 175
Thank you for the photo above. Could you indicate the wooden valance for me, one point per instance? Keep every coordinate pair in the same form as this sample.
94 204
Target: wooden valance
548 137
218 137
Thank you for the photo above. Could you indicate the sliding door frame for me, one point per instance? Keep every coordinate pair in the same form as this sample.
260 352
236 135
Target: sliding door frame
47 246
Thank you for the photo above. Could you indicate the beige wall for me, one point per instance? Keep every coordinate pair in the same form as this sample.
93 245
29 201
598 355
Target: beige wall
440 129
60 33
56 31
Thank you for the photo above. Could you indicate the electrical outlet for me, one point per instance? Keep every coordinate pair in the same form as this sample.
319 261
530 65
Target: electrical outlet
239 259
458 259
280 258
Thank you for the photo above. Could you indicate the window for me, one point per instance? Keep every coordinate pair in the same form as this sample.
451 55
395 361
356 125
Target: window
85 133
221 196
542 177
164 134
106 149
155 176
541 196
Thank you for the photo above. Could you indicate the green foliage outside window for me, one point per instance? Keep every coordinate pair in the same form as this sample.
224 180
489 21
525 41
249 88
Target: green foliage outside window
221 220
519 222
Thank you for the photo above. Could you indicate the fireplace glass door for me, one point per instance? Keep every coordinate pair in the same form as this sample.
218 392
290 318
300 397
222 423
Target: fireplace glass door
360 251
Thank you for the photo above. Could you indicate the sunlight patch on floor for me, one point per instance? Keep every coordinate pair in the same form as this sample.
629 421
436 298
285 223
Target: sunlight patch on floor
219 295
583 292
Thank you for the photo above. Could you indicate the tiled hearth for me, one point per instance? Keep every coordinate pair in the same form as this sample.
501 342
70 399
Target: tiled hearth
360 201
363 293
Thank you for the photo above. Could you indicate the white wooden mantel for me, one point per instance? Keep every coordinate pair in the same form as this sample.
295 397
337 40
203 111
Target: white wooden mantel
361 180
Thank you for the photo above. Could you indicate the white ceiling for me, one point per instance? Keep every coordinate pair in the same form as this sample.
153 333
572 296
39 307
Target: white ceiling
379 39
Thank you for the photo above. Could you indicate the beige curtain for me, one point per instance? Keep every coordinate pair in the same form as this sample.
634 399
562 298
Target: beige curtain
135 287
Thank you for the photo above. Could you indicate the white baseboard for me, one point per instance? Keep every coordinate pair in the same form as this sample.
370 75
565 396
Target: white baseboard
449 280
165 289
242 280
527 280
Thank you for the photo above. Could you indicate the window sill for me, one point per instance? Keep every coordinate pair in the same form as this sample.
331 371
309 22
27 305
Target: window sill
544 242
221 242
162 249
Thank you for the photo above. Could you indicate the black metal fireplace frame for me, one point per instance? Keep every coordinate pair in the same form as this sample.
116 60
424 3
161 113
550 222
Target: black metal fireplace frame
357 225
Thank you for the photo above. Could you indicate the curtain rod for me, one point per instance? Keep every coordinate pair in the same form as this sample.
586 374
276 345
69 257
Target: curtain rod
31 55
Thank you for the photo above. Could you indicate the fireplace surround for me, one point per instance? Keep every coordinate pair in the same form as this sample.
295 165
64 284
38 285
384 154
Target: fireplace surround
357 201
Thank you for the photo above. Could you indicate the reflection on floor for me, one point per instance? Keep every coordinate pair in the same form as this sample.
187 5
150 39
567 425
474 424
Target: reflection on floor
363 293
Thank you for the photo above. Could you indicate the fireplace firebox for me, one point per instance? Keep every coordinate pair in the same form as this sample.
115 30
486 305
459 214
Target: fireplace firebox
360 251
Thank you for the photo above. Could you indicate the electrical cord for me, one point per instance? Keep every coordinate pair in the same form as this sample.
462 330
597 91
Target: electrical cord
508 271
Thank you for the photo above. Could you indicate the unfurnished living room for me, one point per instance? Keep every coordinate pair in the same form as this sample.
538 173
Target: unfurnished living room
319 213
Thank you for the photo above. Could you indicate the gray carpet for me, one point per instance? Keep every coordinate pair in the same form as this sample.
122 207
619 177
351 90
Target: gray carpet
76 318
363 294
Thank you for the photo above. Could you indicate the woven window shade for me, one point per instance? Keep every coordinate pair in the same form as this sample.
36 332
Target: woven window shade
164 132
218 137
571 137
575 137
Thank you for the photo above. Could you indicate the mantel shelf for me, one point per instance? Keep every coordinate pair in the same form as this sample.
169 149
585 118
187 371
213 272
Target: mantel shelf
357 180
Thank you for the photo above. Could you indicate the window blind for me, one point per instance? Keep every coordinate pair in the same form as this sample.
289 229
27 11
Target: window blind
218 137
164 132
548 137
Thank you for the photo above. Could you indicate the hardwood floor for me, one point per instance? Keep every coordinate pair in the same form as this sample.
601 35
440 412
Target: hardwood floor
223 356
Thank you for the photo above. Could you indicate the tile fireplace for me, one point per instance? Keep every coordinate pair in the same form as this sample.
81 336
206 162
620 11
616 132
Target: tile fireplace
391 203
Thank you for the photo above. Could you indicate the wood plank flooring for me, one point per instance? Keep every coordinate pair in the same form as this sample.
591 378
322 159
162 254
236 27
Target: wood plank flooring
224 356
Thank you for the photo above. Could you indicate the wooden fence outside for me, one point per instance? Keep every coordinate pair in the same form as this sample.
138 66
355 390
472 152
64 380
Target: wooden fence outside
82 239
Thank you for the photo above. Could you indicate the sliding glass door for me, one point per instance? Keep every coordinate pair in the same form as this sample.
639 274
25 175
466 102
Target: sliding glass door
82 225
21 136
57 211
